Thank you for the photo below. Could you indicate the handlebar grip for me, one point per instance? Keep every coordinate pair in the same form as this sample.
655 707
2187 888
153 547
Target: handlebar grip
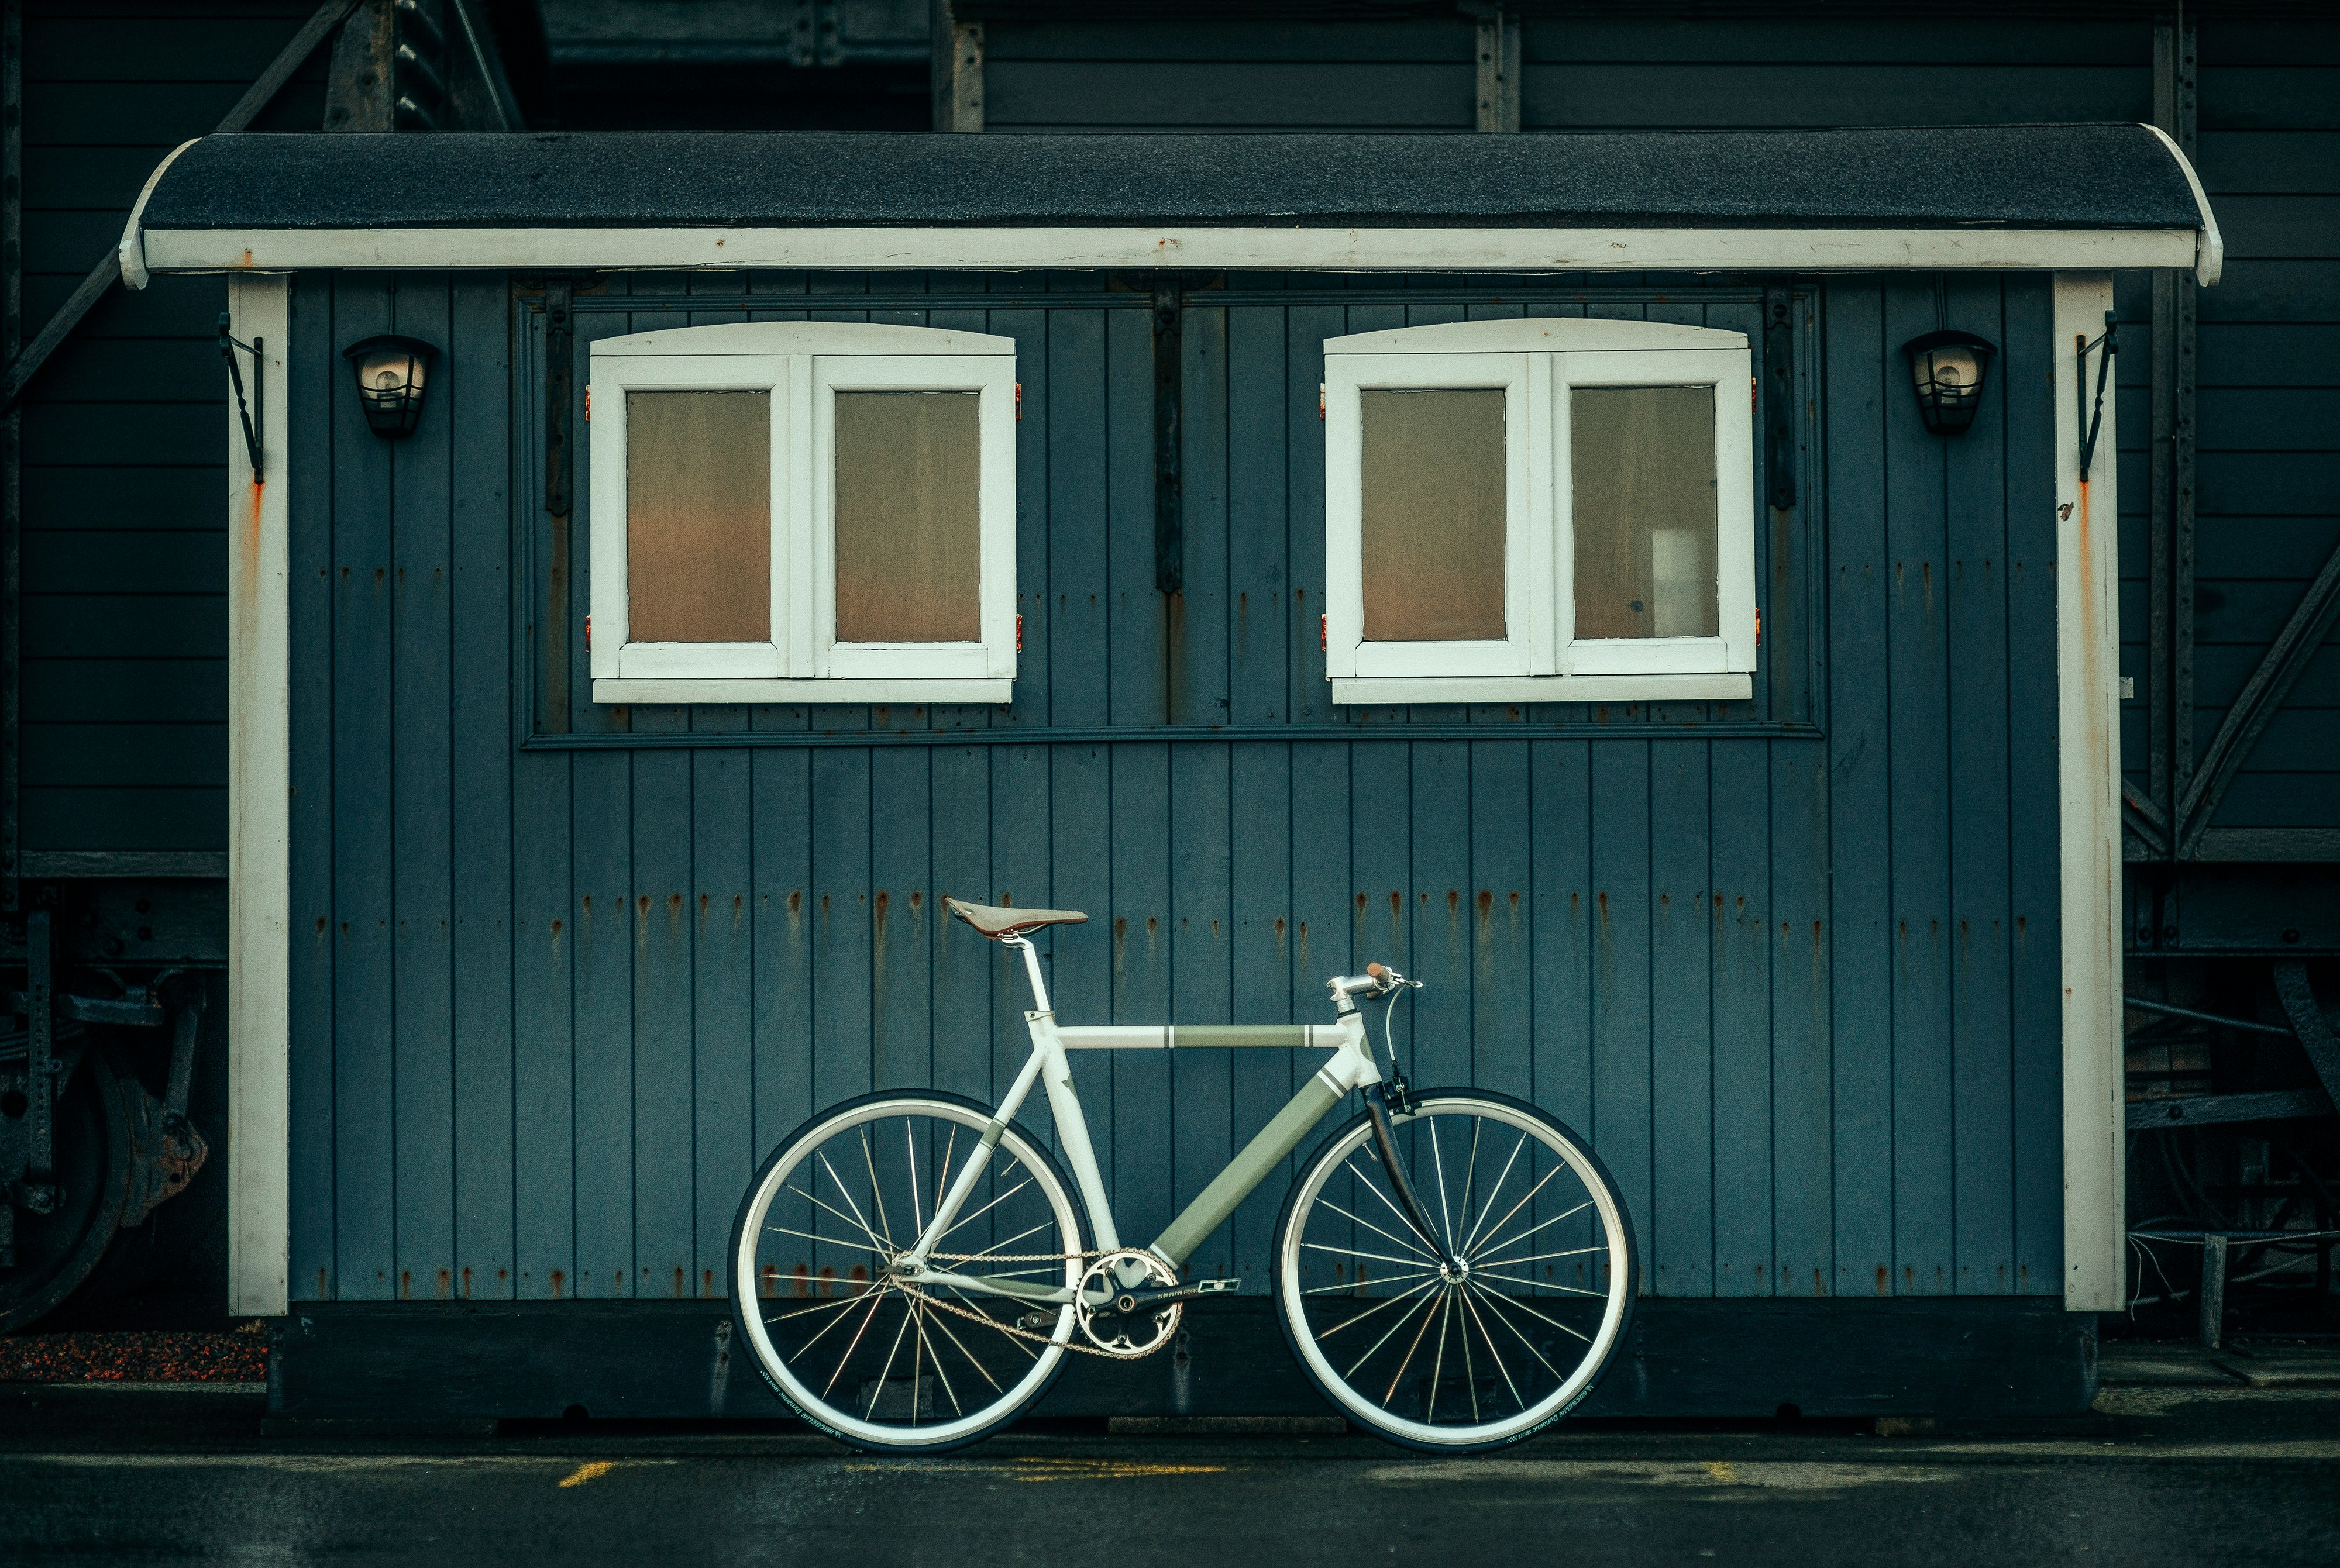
1378 970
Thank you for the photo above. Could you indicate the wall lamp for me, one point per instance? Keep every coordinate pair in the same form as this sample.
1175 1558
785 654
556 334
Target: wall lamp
391 371
1949 370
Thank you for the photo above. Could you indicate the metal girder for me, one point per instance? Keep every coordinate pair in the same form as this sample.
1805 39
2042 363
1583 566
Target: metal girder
2169 615
2143 821
24 366
957 70
2285 660
1499 65
2308 1020
2201 1109
12 494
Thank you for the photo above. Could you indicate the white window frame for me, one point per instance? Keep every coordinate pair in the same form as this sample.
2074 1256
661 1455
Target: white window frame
1542 660
1526 545
802 365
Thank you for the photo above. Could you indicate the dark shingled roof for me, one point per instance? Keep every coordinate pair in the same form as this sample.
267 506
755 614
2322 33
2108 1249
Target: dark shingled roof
1997 176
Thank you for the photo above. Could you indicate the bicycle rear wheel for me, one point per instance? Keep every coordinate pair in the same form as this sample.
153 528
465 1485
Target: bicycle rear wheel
858 1354
1501 1344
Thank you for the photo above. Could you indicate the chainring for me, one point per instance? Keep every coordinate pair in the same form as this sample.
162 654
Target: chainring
1127 1335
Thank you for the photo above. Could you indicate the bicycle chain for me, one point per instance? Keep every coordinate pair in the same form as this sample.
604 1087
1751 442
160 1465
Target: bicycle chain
914 1293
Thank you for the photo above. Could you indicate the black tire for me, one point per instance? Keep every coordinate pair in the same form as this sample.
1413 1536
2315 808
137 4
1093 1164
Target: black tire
745 1272
1304 1305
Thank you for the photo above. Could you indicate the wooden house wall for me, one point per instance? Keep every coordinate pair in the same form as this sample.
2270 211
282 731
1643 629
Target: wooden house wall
1791 963
125 462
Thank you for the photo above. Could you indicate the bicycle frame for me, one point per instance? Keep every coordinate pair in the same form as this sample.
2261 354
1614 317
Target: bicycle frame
1352 1067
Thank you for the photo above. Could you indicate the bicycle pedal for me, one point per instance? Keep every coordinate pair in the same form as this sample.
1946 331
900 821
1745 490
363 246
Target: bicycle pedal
1218 1286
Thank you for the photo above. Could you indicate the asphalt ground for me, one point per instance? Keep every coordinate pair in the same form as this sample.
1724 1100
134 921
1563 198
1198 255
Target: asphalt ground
2188 1475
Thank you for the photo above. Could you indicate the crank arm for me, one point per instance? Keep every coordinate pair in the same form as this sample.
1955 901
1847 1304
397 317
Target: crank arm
1141 1300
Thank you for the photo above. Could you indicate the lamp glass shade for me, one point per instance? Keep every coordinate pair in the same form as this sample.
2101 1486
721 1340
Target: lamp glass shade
391 372
1948 370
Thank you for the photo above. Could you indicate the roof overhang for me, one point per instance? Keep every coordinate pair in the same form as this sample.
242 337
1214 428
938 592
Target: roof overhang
2057 198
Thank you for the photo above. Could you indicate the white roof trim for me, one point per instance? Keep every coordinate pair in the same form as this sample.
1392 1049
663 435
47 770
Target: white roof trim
131 254
2210 251
1331 249
1534 335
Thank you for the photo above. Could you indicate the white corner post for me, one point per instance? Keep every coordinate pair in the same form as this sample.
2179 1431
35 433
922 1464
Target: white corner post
259 887
2087 737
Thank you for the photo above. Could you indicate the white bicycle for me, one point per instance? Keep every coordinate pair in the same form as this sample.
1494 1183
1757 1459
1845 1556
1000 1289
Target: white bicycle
1453 1267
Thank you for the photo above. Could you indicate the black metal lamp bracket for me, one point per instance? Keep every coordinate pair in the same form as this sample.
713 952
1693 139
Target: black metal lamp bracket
251 415
2111 346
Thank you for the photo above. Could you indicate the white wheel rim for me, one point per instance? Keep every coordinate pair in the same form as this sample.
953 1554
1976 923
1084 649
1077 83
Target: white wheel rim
743 1280
1595 1355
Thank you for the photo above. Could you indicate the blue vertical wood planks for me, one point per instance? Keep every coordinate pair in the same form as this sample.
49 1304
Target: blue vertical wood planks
1789 964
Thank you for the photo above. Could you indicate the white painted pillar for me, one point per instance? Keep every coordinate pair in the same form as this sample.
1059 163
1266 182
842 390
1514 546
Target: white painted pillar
259 888
2088 735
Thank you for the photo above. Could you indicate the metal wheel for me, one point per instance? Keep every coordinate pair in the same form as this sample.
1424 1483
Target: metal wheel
55 1252
860 1356
1498 1345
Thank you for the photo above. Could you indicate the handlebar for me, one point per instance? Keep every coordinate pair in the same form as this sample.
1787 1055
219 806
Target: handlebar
1379 980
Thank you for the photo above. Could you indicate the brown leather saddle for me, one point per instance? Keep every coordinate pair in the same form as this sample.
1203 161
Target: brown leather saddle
997 922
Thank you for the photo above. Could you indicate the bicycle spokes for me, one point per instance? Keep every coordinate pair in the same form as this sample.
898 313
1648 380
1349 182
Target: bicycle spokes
854 1337
1500 1332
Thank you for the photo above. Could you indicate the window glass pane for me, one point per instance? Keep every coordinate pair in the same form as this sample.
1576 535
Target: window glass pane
909 532
699 517
1433 515
1641 462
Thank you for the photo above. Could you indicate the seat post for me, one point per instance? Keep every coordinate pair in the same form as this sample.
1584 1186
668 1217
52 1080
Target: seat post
1032 969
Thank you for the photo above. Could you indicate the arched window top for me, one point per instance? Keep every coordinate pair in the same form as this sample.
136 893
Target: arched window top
1538 335
781 338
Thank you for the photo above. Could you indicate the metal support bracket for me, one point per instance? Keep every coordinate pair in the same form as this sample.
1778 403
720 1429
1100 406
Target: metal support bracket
251 415
2111 346
1169 437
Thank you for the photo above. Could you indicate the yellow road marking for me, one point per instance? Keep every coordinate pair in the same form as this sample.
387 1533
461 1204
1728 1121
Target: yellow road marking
593 1470
1105 1469
1050 1469
1722 1470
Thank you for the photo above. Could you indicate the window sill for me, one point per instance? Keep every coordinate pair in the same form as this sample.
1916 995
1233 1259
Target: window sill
893 689
1684 689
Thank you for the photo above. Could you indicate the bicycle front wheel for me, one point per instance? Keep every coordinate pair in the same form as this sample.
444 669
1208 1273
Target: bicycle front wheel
860 1354
1490 1347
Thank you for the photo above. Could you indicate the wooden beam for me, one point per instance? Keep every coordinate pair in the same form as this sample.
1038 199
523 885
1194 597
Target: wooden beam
2285 660
23 367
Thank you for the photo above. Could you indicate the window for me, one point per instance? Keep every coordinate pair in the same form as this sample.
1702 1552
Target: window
1540 510
803 511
